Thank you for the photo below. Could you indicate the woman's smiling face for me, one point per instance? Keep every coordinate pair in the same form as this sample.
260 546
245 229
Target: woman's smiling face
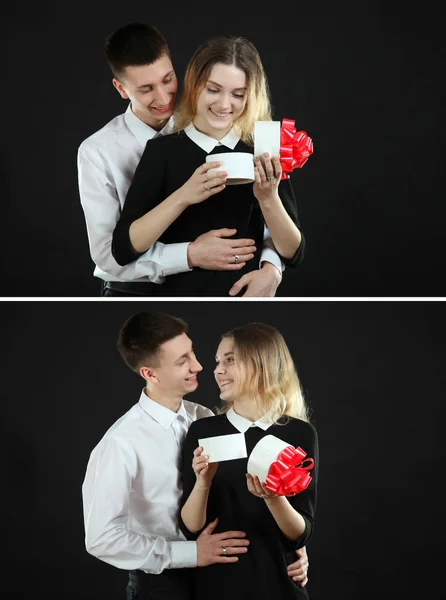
225 372
221 101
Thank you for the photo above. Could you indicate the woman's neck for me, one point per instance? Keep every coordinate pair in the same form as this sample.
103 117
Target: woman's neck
216 134
246 409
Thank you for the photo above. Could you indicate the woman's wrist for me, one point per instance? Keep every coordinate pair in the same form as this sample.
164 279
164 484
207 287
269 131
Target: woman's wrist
270 202
274 500
180 198
200 486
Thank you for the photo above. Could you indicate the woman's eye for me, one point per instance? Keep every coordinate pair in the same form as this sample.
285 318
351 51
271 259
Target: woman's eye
212 91
238 95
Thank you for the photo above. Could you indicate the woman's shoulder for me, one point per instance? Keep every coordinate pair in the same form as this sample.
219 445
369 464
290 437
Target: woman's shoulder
299 425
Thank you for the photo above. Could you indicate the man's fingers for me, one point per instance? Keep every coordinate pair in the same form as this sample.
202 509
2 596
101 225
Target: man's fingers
230 550
227 559
224 232
231 536
235 544
296 572
247 244
240 284
242 248
241 257
301 563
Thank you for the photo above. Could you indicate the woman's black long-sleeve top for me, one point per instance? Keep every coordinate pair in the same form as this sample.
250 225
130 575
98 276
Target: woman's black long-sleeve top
166 164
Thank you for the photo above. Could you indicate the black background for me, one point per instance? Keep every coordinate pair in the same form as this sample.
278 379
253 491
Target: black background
373 374
368 88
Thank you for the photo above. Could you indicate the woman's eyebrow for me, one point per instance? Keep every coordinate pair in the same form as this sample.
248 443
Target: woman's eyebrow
218 85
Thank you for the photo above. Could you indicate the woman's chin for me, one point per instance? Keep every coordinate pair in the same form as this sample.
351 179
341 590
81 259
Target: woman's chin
224 396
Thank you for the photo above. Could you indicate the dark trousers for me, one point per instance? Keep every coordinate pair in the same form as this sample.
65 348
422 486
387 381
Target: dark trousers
126 289
171 584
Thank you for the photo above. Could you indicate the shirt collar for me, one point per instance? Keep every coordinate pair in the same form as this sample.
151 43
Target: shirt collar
242 424
143 132
162 415
207 143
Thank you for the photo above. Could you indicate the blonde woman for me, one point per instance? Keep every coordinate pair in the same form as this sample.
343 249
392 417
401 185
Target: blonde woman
262 396
173 196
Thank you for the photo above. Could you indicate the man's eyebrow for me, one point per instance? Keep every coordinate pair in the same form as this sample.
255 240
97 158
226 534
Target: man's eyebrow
185 355
181 357
218 85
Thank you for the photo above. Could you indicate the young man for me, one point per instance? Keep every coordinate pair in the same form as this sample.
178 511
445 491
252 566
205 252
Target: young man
132 487
139 58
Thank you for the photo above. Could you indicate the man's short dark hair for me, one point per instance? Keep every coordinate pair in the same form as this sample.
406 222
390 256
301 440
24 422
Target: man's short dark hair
142 334
135 44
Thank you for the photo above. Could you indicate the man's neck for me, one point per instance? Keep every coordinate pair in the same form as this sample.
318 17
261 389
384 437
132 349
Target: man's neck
172 404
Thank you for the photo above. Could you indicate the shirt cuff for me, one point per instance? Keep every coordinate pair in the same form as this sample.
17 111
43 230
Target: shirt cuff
269 255
174 258
184 555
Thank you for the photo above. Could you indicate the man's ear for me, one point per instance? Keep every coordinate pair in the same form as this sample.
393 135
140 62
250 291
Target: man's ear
121 89
148 373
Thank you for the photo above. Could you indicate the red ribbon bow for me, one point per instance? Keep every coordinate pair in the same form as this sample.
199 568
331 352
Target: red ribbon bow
288 476
295 148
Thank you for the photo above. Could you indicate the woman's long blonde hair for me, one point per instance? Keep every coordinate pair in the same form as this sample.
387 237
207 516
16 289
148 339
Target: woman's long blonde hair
228 50
266 372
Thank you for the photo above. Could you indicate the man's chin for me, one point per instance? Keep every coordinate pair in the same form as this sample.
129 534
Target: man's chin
191 386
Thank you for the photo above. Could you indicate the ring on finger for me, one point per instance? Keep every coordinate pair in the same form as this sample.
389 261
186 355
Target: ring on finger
224 550
236 258
270 178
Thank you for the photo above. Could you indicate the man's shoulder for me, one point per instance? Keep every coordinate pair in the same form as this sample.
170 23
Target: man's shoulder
166 140
111 131
124 427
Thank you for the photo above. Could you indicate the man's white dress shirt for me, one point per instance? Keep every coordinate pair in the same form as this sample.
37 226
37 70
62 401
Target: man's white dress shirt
107 161
132 489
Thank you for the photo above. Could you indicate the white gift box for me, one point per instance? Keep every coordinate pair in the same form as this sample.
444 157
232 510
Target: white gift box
264 454
238 165
267 138
224 447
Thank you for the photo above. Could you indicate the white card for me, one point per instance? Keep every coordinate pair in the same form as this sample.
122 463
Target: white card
224 447
267 138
